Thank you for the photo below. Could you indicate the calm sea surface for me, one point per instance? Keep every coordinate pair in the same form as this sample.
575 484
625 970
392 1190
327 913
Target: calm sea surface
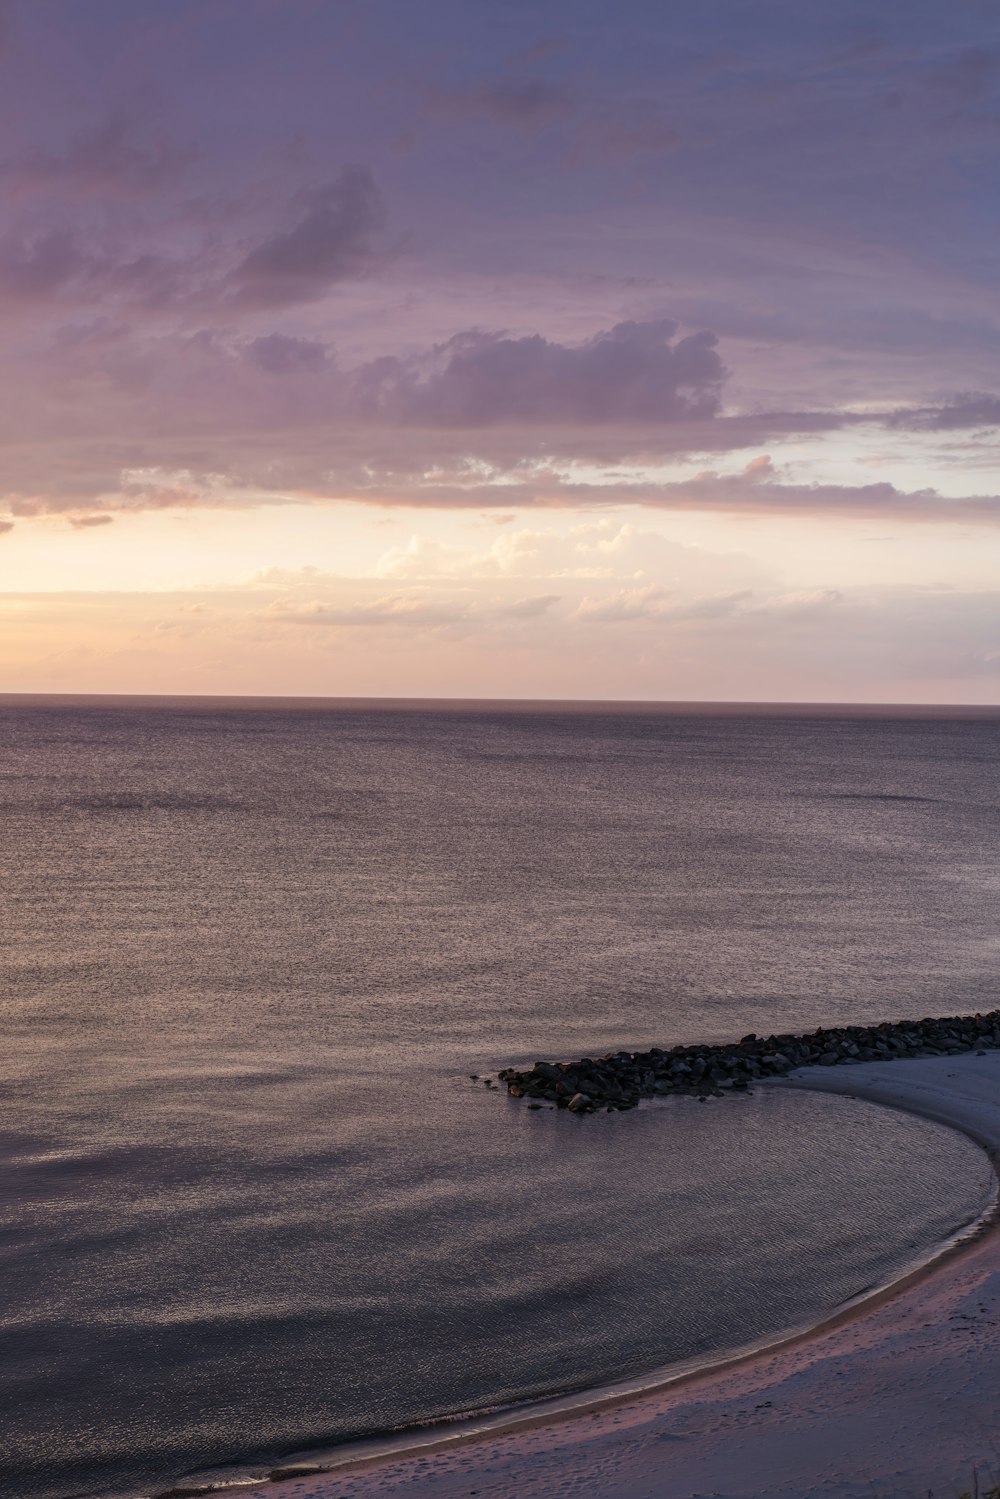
251 1200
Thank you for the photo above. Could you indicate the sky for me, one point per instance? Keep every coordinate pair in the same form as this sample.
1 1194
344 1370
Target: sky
487 348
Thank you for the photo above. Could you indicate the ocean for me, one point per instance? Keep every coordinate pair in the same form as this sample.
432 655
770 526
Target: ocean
252 1199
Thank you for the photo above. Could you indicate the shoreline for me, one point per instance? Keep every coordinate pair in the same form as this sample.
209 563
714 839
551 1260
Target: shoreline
403 1458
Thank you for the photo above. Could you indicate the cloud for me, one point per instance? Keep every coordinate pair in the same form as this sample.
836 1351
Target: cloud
525 101
584 129
484 421
629 604
37 264
594 128
409 611
969 74
652 603
713 606
616 132
82 246
806 604
423 557
594 549
968 409
406 470
6 526
156 488
758 489
400 609
743 606
633 372
531 608
280 354
877 644
331 241
50 263
87 522
113 156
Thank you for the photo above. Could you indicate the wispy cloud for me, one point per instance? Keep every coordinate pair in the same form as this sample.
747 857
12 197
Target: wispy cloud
508 101
399 609
332 239
118 154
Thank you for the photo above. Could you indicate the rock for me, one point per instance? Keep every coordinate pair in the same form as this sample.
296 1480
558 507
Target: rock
619 1079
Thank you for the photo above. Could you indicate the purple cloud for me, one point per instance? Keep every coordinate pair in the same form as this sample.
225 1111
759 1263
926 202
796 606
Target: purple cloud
332 240
526 101
631 373
280 354
969 409
111 157
970 74
42 263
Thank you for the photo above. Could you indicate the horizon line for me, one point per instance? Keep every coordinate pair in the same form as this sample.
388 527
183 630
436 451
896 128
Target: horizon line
636 707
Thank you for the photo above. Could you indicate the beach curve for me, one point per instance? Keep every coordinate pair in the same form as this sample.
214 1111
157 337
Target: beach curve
868 1395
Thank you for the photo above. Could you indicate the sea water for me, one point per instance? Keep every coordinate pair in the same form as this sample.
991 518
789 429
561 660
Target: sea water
251 1198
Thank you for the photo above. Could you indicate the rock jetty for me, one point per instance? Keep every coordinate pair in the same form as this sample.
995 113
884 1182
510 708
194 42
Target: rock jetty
620 1079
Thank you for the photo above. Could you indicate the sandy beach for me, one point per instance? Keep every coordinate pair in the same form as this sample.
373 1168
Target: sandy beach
894 1398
